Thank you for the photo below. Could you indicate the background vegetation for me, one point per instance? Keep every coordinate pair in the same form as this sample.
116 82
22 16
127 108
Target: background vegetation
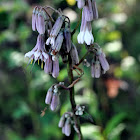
113 100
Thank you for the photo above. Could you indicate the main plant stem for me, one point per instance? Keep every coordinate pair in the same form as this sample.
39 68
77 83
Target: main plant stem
72 99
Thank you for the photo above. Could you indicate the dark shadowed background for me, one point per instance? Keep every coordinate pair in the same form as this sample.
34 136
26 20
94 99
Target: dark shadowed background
113 100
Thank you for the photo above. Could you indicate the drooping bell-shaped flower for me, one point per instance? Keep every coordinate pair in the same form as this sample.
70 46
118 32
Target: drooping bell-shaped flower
85 34
49 96
88 12
67 38
54 31
95 10
103 61
95 69
41 23
58 42
80 3
55 101
38 52
55 70
74 55
67 127
62 121
48 65
34 19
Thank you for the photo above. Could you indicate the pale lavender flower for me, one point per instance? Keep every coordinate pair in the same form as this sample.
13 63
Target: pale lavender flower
41 23
95 69
54 31
58 42
67 36
88 12
38 52
80 3
74 55
62 121
55 101
63 129
95 10
34 20
103 61
48 98
55 71
67 127
85 34
48 65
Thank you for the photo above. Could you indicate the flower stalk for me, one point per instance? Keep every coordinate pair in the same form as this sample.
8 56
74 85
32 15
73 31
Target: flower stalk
72 99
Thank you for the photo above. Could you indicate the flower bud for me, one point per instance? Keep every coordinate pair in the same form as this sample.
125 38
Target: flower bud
67 127
48 66
88 11
56 27
103 62
55 101
34 20
55 71
41 23
95 69
67 36
95 10
41 42
74 55
80 3
58 42
63 129
61 122
49 96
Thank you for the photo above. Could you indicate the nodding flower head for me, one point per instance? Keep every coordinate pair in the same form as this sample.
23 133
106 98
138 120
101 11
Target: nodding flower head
85 34
55 30
38 52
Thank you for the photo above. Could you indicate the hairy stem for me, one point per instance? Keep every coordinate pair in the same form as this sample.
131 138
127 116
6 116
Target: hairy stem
72 99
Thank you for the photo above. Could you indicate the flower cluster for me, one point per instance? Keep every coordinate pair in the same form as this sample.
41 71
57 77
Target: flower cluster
65 123
54 39
52 97
89 13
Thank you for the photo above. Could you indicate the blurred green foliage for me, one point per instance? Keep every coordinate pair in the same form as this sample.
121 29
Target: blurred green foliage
22 94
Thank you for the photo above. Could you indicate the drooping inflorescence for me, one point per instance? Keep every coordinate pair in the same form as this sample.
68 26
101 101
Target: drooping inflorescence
54 40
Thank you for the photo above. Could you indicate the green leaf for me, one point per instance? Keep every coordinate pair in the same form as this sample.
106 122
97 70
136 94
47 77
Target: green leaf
117 119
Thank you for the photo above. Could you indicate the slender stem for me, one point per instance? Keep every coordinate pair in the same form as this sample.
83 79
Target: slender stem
72 99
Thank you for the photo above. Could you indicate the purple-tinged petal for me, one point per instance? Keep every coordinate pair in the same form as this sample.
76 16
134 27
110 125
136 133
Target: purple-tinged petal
48 65
67 36
55 71
55 102
103 62
74 55
61 122
67 127
56 27
41 23
95 10
49 96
